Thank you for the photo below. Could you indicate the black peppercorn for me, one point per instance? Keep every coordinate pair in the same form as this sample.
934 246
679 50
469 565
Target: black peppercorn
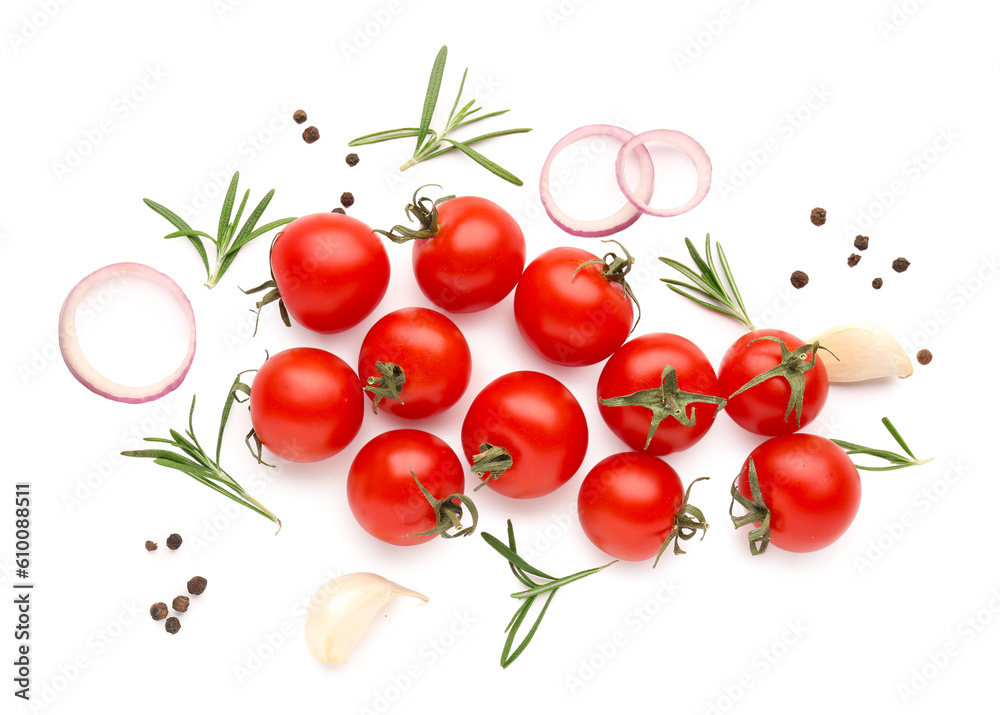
799 279
310 134
196 586
861 242
150 546
180 604
818 216
347 199
900 265
852 260
299 116
174 542
924 356
172 625
158 611
339 210
877 283
352 159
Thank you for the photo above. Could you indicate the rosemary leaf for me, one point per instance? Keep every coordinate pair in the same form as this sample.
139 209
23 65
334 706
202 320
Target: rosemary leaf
433 88
483 161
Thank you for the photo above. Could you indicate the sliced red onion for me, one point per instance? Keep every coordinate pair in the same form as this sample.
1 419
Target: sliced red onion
694 151
626 215
86 373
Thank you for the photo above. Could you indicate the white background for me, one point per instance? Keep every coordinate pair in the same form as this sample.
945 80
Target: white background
885 113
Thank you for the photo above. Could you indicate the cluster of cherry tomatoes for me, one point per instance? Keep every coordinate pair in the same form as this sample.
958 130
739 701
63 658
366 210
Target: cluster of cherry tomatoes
525 434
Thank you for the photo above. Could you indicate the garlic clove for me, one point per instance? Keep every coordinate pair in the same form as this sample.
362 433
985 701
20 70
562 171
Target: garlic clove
865 352
341 610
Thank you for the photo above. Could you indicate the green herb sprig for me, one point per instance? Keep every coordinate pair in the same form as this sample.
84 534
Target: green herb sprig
431 143
191 459
706 287
521 570
895 460
228 241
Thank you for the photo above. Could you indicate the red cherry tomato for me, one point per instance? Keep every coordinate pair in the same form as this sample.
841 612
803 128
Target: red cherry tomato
473 260
330 269
540 425
383 495
432 353
630 504
306 404
771 408
809 485
638 367
568 314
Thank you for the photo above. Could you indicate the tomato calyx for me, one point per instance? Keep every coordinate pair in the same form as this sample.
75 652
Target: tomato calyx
238 394
387 384
667 400
448 514
793 367
688 522
423 211
490 463
272 294
614 268
757 512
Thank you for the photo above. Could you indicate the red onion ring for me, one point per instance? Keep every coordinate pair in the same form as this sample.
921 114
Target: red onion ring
626 215
86 373
692 149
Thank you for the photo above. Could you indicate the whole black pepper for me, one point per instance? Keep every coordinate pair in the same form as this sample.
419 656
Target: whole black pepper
310 134
853 259
338 210
900 265
150 546
818 216
196 586
861 242
877 283
347 199
180 603
299 116
172 625
158 611
174 542
352 159
924 356
799 279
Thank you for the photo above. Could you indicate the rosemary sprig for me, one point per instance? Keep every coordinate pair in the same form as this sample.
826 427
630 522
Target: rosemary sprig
431 143
228 241
707 283
896 461
521 570
193 460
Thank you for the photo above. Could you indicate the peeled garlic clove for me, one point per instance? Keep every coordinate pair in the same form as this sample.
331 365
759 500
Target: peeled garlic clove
341 610
865 352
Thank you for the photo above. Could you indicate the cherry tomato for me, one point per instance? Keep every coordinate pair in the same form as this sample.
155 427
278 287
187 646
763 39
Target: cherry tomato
636 390
568 314
810 487
474 258
306 404
330 269
432 355
539 424
630 505
383 495
772 407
